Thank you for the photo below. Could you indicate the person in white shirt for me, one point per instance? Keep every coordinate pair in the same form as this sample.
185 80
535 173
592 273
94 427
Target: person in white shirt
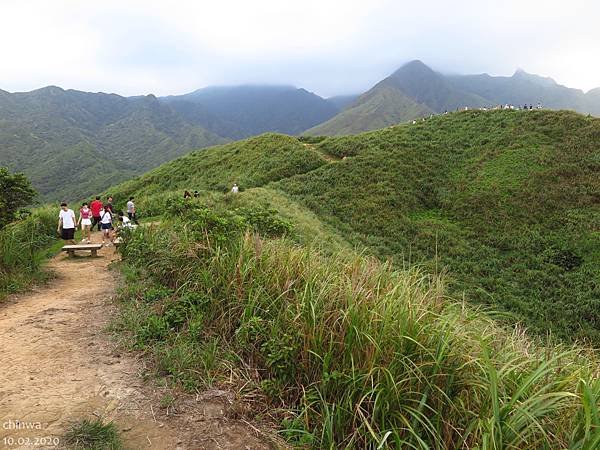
131 211
126 222
235 189
66 224
106 225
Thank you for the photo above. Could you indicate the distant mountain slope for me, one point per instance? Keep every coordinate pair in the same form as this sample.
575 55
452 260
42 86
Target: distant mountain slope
73 144
381 106
242 111
415 89
431 89
507 201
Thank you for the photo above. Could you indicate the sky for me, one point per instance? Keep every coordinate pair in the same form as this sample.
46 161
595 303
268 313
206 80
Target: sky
133 47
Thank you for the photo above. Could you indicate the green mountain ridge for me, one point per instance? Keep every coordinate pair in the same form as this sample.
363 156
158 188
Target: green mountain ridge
507 201
73 144
420 86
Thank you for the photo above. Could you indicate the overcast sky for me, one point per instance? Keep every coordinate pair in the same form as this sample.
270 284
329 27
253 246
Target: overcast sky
328 47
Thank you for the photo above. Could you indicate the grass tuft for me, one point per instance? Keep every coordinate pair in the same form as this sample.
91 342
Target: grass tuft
93 435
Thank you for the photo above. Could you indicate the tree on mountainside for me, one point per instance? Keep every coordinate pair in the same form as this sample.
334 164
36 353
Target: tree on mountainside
15 192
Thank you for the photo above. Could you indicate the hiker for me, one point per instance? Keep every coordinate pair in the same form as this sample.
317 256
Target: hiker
106 225
235 189
109 204
96 207
66 224
131 211
196 194
85 219
187 194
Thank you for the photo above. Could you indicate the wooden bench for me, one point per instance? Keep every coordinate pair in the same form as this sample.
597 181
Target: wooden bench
70 249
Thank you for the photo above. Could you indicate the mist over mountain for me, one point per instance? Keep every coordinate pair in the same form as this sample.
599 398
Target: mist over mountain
242 111
415 90
342 102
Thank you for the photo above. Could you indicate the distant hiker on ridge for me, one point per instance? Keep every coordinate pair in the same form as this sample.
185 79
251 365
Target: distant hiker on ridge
196 194
186 194
235 189
66 224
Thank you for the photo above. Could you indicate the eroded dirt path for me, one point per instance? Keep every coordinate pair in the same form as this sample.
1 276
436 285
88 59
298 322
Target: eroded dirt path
58 365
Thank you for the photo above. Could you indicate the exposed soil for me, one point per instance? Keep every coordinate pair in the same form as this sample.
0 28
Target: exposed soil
59 365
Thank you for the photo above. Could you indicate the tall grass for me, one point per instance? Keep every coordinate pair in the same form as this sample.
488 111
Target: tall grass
21 249
352 353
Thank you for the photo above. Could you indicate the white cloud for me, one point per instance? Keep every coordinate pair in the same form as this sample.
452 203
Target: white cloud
330 47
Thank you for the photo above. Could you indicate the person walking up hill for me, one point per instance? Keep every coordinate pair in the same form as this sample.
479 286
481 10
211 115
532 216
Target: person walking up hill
96 207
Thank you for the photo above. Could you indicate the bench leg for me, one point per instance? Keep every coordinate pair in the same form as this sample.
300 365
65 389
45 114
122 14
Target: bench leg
71 253
94 252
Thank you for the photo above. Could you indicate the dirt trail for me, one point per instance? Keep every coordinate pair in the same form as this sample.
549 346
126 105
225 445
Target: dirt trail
58 365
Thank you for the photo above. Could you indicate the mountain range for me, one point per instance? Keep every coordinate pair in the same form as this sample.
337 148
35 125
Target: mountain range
72 144
416 91
242 111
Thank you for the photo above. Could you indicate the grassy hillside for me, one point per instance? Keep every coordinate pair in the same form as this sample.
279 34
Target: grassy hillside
250 163
341 351
506 201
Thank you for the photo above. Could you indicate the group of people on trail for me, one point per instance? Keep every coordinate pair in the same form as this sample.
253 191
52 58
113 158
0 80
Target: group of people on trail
94 214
